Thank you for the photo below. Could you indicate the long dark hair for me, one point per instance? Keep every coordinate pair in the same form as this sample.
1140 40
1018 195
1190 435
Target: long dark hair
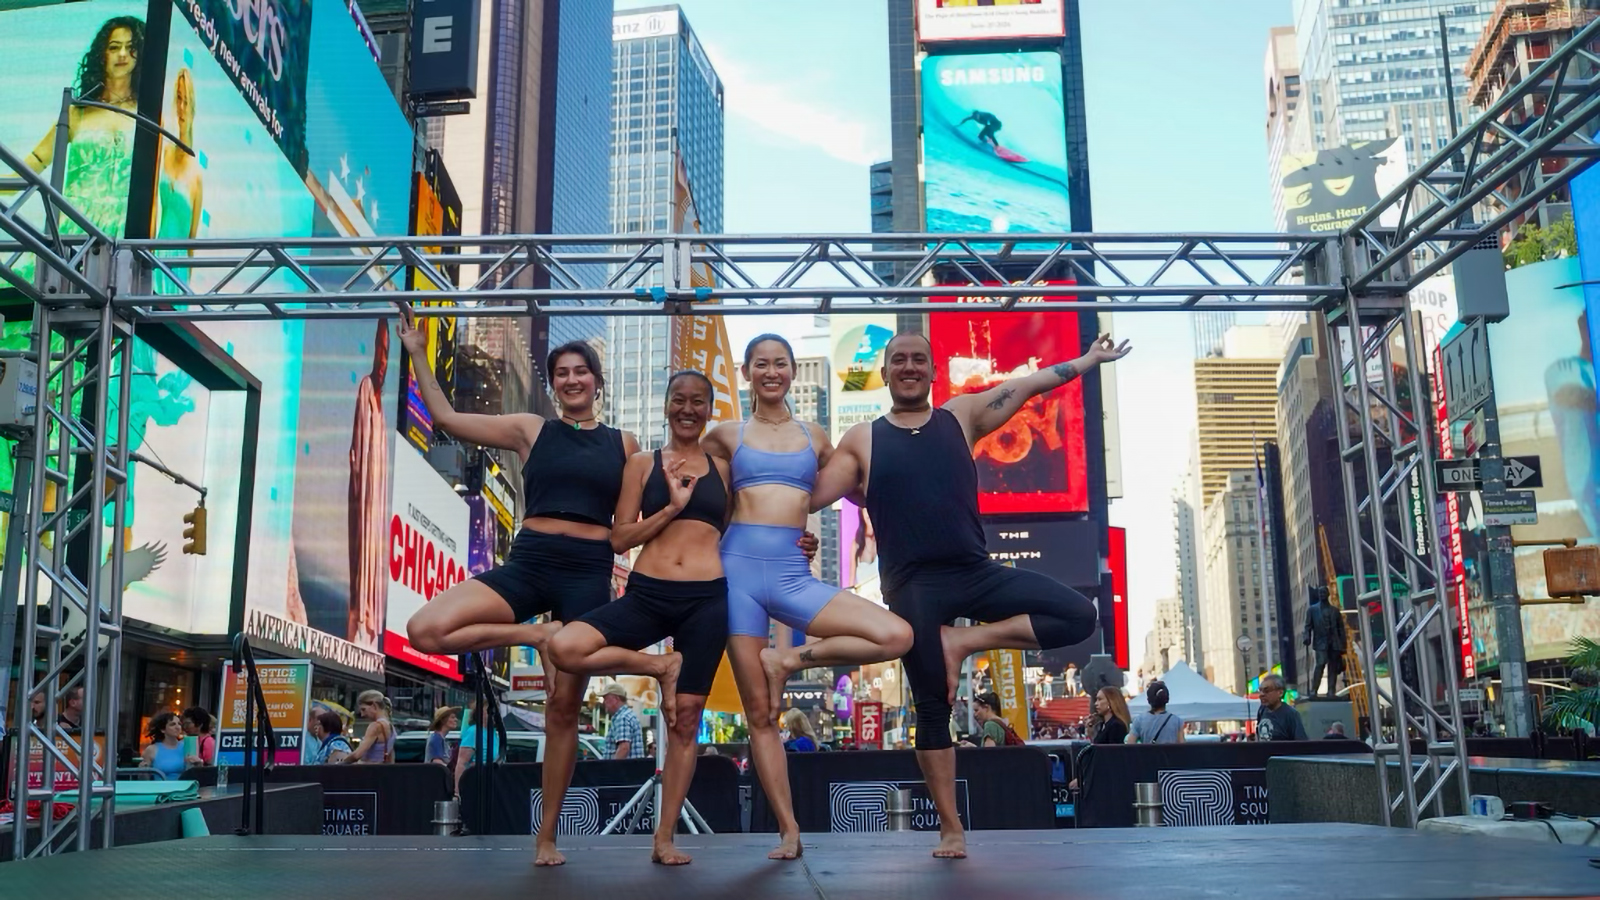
581 348
750 348
157 730
92 68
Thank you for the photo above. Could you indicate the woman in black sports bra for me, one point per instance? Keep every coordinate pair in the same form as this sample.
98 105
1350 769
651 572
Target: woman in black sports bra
675 503
561 561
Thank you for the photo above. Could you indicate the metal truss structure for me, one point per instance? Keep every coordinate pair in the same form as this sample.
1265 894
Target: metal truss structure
90 291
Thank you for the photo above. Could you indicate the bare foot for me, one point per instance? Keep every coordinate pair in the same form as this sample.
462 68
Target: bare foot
667 854
546 854
789 847
953 658
951 846
542 633
777 677
671 665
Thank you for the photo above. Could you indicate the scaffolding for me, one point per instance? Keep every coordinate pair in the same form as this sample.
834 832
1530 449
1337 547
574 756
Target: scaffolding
91 291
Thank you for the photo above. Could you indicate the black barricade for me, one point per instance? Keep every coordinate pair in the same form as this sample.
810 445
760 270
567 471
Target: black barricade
373 799
599 789
1545 747
1201 783
996 787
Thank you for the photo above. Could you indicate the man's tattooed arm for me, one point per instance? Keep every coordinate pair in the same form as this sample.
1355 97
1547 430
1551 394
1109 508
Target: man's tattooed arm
1065 371
1000 398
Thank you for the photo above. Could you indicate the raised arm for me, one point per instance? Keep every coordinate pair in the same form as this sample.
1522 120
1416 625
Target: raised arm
627 529
840 473
985 412
515 431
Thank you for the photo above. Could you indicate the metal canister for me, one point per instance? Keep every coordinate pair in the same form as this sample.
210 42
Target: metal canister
1147 804
446 817
899 809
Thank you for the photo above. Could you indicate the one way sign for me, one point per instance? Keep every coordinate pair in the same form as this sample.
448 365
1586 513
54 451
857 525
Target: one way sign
1463 474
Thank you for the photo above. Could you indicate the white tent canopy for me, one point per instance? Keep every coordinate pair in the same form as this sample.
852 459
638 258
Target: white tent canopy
1195 699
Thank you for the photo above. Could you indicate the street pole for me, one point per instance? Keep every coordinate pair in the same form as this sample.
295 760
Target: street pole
1518 710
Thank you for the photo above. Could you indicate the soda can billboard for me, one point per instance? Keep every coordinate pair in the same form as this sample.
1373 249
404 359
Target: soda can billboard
1037 461
995 143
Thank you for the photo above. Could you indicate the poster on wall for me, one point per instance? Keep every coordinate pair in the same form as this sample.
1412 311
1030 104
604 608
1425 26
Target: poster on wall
94 49
856 345
1326 191
969 20
1036 462
994 143
286 687
429 533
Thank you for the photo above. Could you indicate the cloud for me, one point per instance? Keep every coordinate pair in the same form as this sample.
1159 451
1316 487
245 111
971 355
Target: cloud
836 130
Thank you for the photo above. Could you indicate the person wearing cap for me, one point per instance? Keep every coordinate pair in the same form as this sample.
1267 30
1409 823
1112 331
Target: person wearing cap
625 736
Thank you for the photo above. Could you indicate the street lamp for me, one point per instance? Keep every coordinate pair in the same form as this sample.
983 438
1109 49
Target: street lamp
1245 644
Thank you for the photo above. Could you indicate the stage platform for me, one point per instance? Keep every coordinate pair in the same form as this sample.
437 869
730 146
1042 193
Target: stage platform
1280 861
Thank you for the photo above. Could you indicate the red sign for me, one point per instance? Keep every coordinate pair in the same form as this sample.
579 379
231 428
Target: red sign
1456 566
869 724
1036 462
1117 542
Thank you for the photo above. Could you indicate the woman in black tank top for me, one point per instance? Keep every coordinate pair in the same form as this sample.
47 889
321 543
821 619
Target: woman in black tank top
559 565
675 504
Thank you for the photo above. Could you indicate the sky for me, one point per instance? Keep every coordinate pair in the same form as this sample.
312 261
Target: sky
1176 117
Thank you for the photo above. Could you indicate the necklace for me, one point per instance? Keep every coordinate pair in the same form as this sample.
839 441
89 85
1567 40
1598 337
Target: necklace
577 424
916 429
760 418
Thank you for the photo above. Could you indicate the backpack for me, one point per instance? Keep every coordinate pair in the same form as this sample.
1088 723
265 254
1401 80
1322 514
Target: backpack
1012 738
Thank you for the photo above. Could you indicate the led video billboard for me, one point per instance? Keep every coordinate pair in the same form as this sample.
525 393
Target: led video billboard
1544 383
1036 462
994 143
97 50
968 20
426 552
318 572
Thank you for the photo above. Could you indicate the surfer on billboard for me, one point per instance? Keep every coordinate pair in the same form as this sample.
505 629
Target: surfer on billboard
914 465
991 125
560 562
774 458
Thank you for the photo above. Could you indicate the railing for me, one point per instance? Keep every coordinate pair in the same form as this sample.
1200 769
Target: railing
254 784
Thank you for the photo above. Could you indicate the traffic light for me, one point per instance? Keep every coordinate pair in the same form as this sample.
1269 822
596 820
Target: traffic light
195 535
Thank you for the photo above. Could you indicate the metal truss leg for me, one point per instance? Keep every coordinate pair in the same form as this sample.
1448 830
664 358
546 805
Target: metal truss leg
72 609
1399 570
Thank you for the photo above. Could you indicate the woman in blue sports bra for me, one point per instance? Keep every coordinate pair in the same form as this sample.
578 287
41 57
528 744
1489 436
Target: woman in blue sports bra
165 751
773 461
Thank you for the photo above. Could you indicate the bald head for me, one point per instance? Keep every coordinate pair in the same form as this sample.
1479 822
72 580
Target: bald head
908 369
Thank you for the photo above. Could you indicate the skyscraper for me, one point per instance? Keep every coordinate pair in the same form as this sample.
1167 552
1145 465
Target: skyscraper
1239 584
667 99
1371 70
1186 531
1236 400
1208 329
1282 73
580 154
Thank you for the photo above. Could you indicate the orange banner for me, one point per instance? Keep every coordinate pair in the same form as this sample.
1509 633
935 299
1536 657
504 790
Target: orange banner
1006 670
701 342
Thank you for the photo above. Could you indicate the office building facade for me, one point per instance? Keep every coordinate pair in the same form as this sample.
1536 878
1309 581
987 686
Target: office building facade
1236 408
1239 585
666 100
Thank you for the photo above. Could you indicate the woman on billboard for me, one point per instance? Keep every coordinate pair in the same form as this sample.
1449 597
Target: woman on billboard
100 142
180 191
774 460
561 561
675 505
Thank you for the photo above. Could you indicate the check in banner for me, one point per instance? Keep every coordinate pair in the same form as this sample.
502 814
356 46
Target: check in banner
286 685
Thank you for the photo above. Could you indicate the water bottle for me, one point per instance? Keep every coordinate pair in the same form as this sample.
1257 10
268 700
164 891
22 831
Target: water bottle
222 774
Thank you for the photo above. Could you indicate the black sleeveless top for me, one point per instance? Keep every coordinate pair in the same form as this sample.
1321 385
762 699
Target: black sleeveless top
923 496
708 503
574 473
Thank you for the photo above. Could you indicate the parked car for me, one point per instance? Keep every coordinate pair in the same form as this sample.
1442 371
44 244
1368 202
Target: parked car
521 746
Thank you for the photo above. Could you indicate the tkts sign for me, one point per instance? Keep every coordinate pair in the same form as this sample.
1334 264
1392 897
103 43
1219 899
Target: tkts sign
869 724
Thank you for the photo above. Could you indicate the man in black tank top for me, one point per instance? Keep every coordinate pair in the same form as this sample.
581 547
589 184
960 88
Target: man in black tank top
914 466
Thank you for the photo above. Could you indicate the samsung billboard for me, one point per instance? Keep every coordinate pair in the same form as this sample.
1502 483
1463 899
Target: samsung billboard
994 143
